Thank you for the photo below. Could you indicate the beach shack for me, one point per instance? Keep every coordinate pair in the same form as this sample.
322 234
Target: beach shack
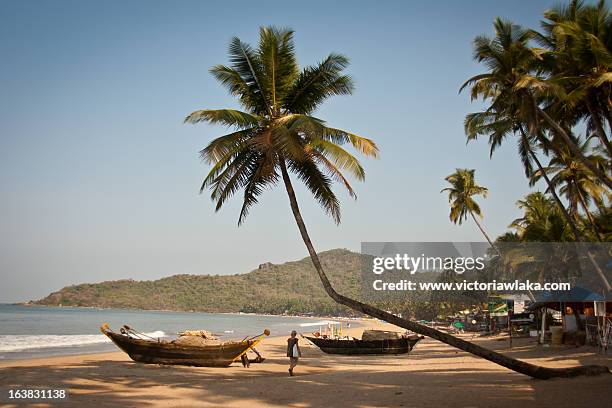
582 311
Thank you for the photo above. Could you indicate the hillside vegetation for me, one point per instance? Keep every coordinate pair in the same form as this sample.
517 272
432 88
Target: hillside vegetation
292 287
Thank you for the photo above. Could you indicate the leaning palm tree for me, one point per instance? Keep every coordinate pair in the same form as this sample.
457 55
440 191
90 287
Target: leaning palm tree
276 133
461 197
579 38
502 123
514 88
510 113
517 74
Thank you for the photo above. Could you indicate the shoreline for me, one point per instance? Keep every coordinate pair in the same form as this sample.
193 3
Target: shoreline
180 311
92 348
273 339
430 376
118 353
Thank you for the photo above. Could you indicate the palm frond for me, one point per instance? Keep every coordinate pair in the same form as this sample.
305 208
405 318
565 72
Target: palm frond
341 158
224 145
334 172
249 96
365 146
246 62
233 178
317 83
263 176
227 117
277 56
318 184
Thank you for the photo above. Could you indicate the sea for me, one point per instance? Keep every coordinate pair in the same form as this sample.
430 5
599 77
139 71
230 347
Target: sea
39 331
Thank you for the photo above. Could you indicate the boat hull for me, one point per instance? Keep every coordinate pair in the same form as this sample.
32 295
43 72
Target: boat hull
365 347
163 352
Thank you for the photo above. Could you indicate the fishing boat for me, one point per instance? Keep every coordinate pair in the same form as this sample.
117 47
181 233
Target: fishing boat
371 342
144 349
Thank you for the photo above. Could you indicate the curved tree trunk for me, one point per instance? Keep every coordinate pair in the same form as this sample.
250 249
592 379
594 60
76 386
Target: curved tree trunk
585 207
508 362
485 233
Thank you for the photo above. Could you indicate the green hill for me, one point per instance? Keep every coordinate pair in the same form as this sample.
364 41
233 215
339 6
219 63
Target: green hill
292 287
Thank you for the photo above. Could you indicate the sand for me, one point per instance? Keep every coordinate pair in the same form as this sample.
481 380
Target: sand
433 375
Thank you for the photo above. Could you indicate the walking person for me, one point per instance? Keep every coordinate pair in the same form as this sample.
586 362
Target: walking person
293 351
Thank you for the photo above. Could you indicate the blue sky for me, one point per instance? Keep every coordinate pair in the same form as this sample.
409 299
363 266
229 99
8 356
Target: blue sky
99 177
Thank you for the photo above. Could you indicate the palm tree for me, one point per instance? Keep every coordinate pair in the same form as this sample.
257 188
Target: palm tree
603 218
541 220
277 133
460 195
579 38
575 182
511 112
502 124
515 78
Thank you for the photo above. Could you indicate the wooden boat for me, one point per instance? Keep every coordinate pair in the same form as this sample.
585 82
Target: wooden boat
159 351
398 344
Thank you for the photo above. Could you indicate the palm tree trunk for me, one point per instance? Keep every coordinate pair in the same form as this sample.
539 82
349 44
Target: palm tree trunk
484 233
585 207
551 188
601 133
508 362
574 149
543 326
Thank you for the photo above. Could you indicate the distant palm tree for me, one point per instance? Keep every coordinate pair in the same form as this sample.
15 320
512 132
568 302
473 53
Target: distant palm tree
576 182
277 133
503 123
461 197
603 218
541 220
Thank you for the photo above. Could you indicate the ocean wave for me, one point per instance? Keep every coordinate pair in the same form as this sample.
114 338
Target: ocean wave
18 342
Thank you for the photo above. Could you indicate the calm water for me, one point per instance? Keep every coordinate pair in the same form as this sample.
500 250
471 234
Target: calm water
36 331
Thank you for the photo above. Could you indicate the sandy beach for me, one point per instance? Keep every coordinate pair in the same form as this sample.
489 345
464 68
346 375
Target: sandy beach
432 375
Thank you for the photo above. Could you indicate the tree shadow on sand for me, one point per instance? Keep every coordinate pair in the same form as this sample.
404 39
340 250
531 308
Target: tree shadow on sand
383 381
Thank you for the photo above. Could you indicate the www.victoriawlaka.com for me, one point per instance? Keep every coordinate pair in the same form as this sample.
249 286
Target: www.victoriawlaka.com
408 285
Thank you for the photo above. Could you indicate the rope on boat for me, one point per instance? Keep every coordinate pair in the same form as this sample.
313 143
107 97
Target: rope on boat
127 330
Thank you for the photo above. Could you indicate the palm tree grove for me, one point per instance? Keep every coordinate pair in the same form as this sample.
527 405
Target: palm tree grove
306 204
549 90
